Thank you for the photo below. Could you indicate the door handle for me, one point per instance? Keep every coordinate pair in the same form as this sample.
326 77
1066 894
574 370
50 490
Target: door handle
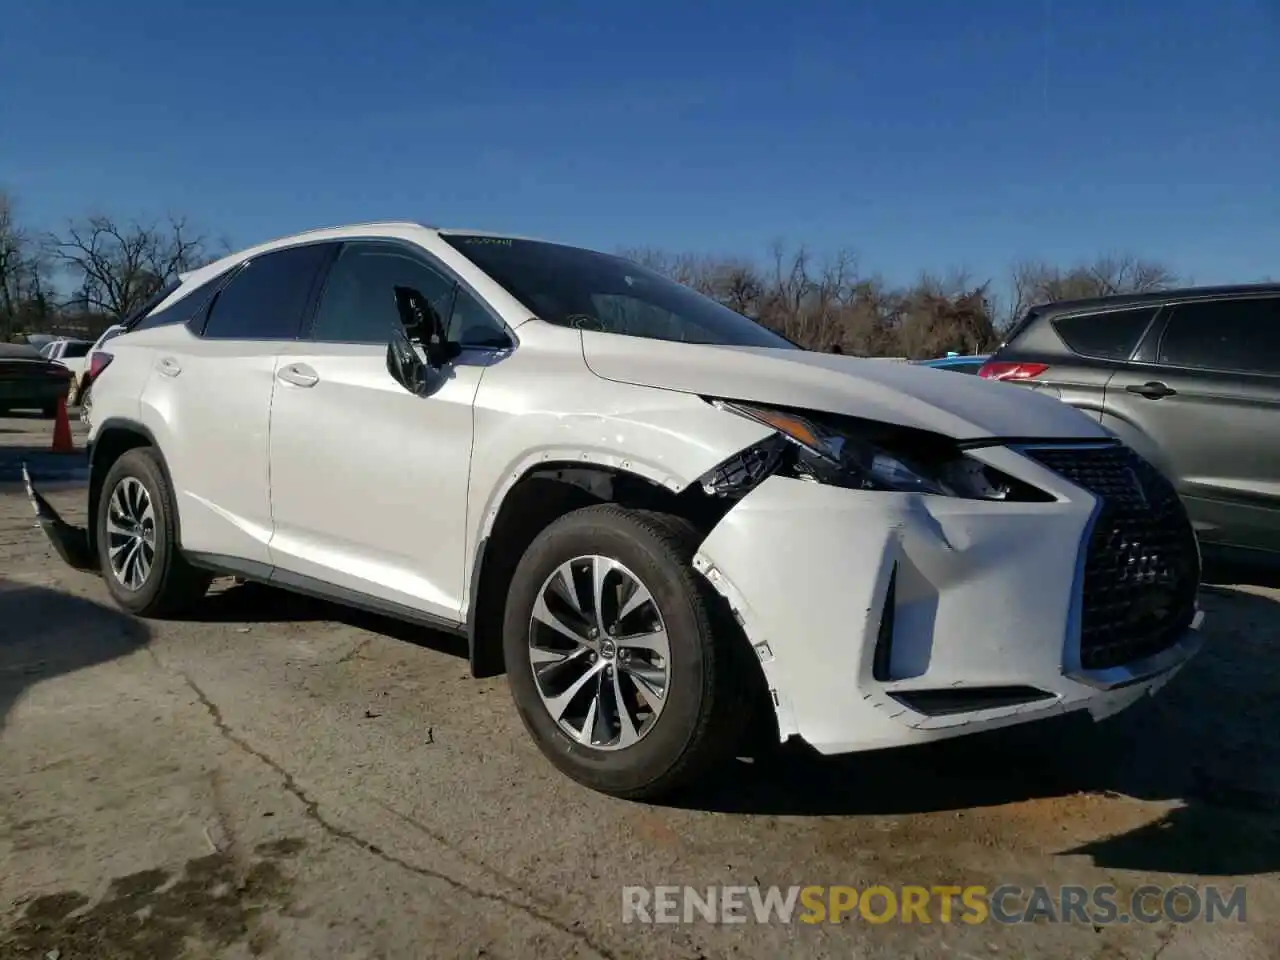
299 374
1153 390
169 366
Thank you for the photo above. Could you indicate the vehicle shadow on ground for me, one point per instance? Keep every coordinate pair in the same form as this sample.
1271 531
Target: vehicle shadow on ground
257 603
48 634
47 469
1207 742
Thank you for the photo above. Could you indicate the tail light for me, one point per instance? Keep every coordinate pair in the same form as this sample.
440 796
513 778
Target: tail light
1011 370
97 363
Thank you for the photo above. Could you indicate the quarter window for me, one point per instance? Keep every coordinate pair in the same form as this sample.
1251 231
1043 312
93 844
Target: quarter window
267 297
1231 335
1105 336
191 303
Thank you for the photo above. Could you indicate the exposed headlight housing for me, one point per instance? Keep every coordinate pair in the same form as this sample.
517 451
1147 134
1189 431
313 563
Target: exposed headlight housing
859 455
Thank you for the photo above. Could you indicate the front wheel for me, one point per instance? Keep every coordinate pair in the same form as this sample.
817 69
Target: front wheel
137 539
622 663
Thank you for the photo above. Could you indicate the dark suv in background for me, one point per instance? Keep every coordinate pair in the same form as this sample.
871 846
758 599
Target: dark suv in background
1189 378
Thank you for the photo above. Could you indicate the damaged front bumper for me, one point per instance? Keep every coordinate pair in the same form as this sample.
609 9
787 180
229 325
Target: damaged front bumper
72 543
884 619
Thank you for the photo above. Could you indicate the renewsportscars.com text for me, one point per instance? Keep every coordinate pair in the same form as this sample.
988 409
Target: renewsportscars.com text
971 904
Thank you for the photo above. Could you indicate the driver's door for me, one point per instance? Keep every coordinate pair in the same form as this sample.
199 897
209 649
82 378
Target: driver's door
369 481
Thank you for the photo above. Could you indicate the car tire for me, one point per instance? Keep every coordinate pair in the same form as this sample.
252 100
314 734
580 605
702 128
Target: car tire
706 700
136 495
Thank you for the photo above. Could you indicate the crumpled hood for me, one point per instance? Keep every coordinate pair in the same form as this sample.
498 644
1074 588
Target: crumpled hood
957 405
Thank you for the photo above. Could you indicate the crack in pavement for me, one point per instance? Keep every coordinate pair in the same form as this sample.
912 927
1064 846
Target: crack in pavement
311 810
354 652
462 854
1164 943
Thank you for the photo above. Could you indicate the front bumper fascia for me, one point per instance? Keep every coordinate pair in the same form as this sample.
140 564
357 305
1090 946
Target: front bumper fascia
984 596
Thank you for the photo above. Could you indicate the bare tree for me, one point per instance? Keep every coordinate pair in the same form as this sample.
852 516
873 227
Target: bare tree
23 280
117 266
828 305
1033 282
13 244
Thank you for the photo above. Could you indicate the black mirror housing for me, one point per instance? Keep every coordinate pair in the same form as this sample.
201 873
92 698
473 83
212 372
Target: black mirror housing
405 366
421 326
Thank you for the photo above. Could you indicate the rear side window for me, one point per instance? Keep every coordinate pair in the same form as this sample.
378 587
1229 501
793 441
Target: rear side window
267 297
1230 335
75 350
1113 335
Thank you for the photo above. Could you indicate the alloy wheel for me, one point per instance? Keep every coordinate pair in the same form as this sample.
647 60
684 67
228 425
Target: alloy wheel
599 653
131 533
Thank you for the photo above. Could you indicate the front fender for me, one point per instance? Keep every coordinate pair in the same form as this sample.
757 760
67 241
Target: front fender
669 439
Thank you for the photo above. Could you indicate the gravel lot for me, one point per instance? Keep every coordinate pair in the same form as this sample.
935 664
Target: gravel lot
279 777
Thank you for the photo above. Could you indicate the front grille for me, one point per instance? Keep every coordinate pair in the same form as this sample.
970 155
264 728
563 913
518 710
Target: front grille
1142 568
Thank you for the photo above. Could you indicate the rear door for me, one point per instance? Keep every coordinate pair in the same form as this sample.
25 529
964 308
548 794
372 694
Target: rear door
211 387
1204 405
1073 356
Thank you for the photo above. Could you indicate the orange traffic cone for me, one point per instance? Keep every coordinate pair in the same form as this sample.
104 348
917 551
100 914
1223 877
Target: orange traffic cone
62 442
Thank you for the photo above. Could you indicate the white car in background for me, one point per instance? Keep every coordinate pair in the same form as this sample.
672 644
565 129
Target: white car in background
654 514
83 395
71 353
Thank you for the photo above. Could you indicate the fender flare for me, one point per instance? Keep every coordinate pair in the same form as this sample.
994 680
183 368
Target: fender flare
550 461
97 472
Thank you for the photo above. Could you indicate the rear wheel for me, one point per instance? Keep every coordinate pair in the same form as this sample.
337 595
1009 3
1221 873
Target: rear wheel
137 539
621 661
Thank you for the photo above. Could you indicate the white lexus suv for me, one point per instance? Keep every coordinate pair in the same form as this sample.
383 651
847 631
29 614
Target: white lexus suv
659 518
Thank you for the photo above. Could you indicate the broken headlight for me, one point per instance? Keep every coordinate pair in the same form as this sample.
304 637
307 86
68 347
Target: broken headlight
858 455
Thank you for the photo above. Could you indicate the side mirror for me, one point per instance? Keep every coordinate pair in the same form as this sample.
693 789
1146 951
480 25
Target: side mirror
419 346
405 365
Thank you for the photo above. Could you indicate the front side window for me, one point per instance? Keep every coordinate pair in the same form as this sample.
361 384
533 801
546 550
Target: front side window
587 290
359 300
1228 335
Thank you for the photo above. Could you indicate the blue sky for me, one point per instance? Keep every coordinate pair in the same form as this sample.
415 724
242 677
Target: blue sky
918 133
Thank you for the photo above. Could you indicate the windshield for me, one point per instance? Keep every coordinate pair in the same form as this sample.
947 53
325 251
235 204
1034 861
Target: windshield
587 290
